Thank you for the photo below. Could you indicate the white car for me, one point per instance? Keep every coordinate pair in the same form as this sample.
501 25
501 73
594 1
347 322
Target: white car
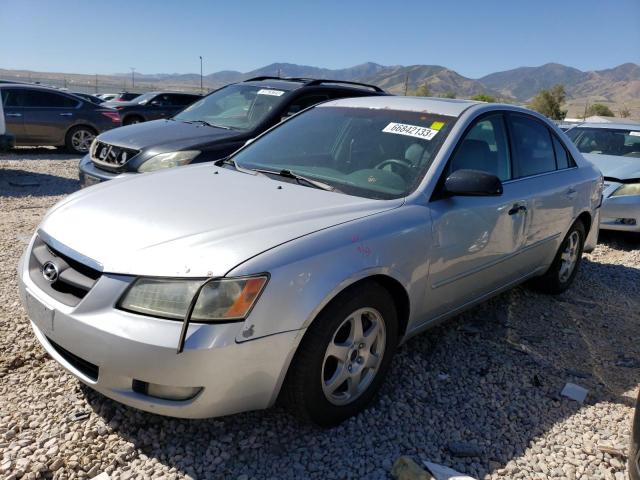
615 149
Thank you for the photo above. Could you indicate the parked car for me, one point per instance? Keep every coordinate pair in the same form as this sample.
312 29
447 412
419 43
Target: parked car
211 128
44 116
125 97
6 140
89 97
633 463
615 150
295 267
151 106
107 96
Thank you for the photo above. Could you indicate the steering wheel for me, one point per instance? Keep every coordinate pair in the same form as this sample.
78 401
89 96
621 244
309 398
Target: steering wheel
405 167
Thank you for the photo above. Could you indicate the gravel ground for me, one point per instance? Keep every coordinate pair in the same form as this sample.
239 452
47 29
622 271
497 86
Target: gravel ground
479 394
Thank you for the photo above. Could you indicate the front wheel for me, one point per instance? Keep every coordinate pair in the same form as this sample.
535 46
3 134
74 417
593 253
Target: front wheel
344 356
565 265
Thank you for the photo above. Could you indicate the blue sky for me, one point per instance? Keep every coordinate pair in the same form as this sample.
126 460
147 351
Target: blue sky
472 37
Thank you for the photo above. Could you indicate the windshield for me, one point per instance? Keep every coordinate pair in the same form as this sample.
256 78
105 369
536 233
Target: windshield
607 141
370 153
240 107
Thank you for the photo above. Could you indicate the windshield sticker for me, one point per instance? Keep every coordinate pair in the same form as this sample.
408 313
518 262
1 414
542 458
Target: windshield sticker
635 134
437 125
410 130
273 93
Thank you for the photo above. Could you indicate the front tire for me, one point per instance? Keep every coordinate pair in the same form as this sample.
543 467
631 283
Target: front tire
344 356
566 263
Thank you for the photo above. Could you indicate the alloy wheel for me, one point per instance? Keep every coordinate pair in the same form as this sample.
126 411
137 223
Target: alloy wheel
569 256
81 140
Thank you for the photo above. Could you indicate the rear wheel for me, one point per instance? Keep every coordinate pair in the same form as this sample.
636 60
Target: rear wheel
344 356
78 139
565 265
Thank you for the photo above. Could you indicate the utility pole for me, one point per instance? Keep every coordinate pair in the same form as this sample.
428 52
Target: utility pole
201 90
96 83
406 84
279 73
586 107
133 78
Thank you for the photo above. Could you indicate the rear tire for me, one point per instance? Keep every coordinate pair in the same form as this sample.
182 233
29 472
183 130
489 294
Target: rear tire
339 367
566 263
78 139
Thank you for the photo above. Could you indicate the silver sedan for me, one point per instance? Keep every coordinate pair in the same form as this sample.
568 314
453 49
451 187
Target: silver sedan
295 267
615 149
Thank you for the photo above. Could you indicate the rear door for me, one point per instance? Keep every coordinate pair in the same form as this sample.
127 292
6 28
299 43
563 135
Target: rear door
477 240
544 172
12 101
48 115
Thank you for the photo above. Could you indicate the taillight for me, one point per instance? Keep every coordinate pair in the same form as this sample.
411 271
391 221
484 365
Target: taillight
113 116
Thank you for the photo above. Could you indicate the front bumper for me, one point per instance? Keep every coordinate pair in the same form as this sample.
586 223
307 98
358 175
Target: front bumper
614 209
89 174
124 347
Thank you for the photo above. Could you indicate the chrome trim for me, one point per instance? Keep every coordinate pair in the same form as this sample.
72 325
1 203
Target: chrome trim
89 262
514 180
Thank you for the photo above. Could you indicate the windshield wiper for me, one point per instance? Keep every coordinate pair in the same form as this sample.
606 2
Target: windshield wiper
204 122
230 161
298 178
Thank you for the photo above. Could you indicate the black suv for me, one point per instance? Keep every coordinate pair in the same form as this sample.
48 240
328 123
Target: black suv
151 106
44 116
211 128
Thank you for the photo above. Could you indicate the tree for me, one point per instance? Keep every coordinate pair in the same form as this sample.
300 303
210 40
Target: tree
449 95
549 102
600 109
422 91
624 112
483 97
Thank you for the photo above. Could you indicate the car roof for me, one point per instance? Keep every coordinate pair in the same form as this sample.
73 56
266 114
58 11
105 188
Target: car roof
452 107
611 125
295 83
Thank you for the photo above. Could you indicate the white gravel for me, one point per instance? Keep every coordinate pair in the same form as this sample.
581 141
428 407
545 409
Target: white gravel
484 387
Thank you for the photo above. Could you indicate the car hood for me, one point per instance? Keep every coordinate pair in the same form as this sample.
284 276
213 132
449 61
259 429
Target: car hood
158 133
614 166
194 222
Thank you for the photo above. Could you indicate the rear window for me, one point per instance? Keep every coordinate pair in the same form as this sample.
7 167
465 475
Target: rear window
607 141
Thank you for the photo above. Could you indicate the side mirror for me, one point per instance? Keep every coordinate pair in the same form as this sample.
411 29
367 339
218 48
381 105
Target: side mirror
473 183
155 103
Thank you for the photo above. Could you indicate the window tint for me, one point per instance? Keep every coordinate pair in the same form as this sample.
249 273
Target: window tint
13 98
180 100
42 99
531 142
484 147
562 156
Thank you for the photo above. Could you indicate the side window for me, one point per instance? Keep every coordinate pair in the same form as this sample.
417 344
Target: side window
562 156
532 148
305 101
42 99
485 148
179 100
12 98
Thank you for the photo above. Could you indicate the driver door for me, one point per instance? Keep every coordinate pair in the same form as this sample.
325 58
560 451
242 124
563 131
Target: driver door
476 240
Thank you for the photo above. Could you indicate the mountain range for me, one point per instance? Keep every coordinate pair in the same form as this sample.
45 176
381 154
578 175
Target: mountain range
616 85
519 84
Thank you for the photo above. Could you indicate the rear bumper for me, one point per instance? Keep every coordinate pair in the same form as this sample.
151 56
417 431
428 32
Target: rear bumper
614 209
89 174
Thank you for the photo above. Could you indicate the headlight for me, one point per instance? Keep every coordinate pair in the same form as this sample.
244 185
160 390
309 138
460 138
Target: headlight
627 189
168 160
220 300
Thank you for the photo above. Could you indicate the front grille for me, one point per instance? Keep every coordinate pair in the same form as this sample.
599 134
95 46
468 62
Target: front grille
68 280
111 157
86 368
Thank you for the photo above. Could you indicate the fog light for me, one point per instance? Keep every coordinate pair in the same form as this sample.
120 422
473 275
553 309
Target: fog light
166 392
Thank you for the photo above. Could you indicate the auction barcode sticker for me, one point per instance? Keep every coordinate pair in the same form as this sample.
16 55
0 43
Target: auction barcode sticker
410 130
266 91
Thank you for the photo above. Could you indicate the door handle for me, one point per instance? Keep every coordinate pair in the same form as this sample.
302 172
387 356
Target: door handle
13 114
65 114
517 209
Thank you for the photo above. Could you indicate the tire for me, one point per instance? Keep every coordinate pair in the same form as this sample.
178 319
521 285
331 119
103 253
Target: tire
132 120
558 279
314 388
78 139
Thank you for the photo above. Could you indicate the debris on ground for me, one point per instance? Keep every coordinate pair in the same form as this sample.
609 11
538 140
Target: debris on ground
440 472
405 468
464 449
574 392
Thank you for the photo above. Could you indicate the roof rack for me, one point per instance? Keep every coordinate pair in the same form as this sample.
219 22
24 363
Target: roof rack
315 81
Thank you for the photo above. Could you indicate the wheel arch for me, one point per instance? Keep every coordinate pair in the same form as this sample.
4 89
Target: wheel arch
131 115
585 218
